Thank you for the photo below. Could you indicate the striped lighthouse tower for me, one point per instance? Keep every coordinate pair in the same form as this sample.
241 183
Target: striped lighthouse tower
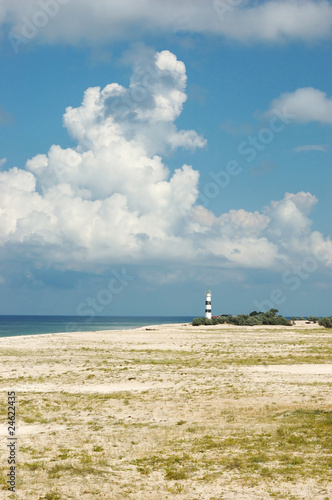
208 304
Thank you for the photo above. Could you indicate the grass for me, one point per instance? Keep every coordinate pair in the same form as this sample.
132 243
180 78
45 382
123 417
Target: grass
84 467
287 451
52 495
34 465
216 422
175 467
3 479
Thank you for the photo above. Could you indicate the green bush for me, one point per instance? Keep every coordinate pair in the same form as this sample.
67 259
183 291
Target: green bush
254 318
326 322
201 321
280 320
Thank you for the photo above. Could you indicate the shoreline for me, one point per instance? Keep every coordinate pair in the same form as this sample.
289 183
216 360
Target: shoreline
19 326
302 324
147 327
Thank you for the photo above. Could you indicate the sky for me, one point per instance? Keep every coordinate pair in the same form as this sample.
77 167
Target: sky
151 150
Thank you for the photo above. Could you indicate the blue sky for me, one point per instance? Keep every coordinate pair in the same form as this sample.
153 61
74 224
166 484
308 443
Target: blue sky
207 163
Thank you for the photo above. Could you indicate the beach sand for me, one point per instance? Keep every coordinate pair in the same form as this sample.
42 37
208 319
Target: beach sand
170 411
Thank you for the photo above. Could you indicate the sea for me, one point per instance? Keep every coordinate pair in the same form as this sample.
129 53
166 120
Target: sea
12 326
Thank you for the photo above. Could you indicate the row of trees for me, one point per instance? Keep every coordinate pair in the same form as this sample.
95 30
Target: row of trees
254 318
259 318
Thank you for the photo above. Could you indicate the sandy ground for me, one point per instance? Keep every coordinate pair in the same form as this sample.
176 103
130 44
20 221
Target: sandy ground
170 411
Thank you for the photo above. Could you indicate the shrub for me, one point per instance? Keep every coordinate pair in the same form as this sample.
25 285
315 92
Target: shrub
201 321
280 320
255 318
326 322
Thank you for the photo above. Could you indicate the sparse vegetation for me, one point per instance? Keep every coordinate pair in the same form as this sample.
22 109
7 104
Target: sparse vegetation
52 495
207 409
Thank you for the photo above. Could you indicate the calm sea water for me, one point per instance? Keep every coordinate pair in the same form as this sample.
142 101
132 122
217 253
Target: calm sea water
34 325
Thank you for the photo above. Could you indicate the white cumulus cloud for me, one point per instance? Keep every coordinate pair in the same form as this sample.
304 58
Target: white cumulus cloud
306 105
113 199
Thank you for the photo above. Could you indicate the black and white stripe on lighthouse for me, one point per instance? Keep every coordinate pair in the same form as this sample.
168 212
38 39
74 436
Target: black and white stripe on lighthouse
208 304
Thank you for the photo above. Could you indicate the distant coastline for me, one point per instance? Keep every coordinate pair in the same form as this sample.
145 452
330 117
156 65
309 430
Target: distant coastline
23 325
16 325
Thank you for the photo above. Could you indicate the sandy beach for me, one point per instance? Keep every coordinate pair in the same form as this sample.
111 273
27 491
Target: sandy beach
170 411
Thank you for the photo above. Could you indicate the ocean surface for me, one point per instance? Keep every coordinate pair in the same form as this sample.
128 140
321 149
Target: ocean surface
11 326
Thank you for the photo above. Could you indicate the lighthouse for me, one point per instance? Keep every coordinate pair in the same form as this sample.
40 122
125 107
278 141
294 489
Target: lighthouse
208 304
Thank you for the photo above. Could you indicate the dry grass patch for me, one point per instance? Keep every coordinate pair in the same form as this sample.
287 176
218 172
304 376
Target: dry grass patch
172 413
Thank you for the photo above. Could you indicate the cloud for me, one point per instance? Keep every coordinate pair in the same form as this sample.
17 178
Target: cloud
2 162
312 147
112 198
306 104
103 21
156 277
276 21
